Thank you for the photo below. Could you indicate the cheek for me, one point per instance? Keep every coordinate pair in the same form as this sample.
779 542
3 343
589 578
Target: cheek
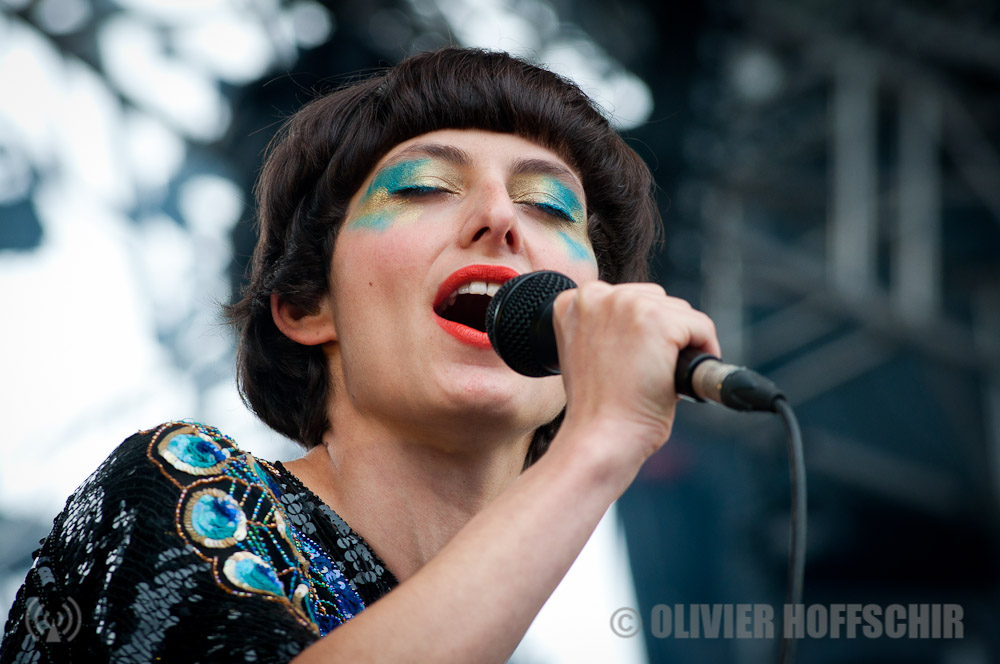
576 249
375 267
567 251
372 273
380 214
379 273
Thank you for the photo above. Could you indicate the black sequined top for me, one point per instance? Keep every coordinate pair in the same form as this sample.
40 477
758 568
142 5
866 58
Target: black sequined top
183 548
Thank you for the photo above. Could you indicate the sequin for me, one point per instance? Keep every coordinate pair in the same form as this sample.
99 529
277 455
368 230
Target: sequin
214 519
248 571
125 548
257 538
192 452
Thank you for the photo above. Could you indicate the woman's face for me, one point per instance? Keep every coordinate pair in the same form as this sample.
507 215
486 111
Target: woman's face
441 215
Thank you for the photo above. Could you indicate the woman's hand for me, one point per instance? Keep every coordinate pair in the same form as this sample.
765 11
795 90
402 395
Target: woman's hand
473 601
618 347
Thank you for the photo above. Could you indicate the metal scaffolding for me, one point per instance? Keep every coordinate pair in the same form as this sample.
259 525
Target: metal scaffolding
852 152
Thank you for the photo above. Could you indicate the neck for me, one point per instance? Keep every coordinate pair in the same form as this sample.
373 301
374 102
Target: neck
405 495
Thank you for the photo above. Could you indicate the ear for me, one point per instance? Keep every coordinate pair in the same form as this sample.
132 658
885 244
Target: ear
308 329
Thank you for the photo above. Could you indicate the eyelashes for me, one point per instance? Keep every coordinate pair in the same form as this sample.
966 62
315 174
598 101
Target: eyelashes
547 204
550 209
413 191
416 188
550 197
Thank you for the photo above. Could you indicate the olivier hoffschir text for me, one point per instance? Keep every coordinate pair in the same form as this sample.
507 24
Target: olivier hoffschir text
798 621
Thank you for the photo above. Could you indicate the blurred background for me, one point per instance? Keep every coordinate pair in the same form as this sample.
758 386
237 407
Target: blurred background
829 177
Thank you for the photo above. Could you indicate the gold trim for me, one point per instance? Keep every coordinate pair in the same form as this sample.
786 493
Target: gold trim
162 447
229 569
241 520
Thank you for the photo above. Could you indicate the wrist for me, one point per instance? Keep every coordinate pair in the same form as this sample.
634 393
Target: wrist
605 455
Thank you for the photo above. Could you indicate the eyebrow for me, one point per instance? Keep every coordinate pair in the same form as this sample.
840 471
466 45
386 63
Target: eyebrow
459 157
448 153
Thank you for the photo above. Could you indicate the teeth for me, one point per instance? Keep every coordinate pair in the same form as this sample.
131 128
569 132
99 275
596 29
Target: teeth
472 288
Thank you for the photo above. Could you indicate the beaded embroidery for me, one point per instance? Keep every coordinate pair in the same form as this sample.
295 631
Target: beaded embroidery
214 519
228 511
180 547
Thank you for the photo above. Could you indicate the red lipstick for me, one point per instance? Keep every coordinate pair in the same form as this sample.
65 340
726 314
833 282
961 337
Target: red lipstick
490 274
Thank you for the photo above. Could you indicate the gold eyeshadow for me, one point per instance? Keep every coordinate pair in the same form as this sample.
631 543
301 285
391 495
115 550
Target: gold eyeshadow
381 205
387 202
549 192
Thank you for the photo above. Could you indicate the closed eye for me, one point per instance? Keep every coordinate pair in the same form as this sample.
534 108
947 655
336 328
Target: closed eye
553 211
413 191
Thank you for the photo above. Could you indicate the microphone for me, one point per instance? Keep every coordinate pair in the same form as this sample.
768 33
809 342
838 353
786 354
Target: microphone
519 325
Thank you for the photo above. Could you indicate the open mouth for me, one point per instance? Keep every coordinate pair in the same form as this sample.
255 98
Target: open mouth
461 302
467 305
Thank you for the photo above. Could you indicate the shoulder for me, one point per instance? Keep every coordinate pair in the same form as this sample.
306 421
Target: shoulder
175 545
140 483
179 446
150 457
164 471
225 509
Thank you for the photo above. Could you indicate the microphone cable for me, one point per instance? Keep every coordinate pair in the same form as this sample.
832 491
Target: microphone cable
703 377
797 522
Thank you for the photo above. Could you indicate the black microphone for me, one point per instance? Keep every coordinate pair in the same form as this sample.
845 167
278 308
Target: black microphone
519 325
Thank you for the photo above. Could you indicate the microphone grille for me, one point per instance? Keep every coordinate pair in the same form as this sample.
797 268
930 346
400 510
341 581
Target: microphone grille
515 316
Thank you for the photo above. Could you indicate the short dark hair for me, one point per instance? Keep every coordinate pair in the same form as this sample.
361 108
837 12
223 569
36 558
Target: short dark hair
322 155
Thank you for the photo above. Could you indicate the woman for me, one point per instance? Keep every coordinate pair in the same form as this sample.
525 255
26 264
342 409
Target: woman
389 211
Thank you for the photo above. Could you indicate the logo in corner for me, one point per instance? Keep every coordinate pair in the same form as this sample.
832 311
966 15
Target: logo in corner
50 626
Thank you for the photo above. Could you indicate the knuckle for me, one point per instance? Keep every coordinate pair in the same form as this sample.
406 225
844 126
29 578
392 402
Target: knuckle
682 303
590 294
642 311
563 302
593 288
649 288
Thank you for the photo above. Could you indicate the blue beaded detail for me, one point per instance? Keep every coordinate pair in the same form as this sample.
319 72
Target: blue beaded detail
265 478
303 603
214 519
192 452
250 572
229 511
346 602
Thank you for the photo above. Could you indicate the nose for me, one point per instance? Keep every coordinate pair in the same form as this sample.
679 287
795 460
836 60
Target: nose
492 221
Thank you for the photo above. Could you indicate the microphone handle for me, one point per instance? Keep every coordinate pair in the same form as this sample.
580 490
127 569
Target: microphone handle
519 325
704 377
698 375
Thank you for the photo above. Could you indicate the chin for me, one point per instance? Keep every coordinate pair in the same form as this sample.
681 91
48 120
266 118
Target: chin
505 399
